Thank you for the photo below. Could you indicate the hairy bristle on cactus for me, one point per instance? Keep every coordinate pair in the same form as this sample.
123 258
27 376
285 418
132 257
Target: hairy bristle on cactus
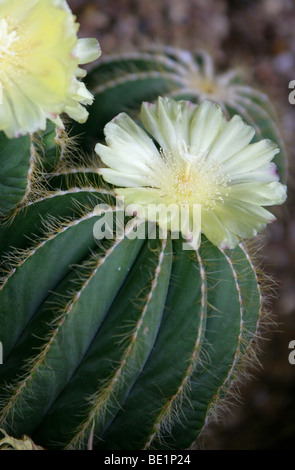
26 163
136 331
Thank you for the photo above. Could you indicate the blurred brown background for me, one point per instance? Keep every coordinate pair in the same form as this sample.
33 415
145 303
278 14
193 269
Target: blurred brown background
260 35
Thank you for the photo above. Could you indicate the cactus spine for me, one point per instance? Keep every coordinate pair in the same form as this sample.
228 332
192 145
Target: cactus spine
100 335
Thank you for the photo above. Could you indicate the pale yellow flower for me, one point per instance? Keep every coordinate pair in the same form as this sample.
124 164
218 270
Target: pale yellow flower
201 159
39 73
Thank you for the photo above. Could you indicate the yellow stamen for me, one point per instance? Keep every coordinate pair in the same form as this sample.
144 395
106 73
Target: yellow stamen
191 182
12 51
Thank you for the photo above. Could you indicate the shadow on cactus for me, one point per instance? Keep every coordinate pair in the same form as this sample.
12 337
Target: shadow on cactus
131 342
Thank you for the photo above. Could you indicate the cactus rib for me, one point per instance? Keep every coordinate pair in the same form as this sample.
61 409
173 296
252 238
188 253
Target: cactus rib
108 392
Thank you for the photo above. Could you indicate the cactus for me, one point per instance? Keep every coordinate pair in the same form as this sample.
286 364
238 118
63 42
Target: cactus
139 331
127 343
24 161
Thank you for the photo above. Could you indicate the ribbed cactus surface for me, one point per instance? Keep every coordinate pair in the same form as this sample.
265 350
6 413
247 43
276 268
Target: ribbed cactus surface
131 339
23 163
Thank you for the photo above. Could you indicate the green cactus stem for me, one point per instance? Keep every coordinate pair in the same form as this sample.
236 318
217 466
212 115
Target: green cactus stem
96 336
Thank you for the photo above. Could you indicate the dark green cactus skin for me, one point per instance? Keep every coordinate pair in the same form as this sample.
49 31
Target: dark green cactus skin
134 341
15 156
23 161
125 331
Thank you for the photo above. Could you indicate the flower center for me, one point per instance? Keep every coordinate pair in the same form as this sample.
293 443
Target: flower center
12 57
207 87
190 179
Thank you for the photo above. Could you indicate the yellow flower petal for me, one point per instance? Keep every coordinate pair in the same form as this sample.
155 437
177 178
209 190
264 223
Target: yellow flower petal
206 125
87 50
39 58
227 144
